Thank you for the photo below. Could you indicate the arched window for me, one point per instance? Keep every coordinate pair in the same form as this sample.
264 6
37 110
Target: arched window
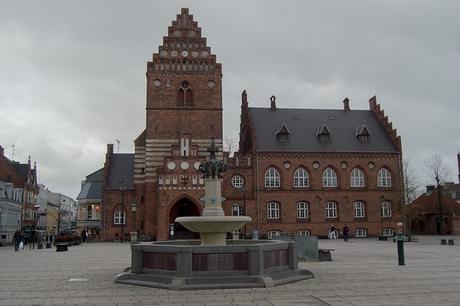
331 210
359 209
119 217
272 178
184 94
329 178
385 209
302 210
384 178
357 178
301 178
273 210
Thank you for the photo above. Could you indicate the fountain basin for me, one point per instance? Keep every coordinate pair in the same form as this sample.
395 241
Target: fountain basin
213 229
185 264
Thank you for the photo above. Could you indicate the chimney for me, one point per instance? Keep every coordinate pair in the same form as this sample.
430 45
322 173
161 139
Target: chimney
458 161
273 103
244 98
110 149
2 151
346 104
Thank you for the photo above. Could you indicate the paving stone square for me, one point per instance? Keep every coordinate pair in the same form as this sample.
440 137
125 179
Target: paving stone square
363 272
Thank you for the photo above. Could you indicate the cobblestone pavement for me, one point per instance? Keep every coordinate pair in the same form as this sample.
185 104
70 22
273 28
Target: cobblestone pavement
363 272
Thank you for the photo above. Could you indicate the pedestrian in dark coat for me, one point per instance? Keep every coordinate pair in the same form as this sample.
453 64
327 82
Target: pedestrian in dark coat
17 238
345 231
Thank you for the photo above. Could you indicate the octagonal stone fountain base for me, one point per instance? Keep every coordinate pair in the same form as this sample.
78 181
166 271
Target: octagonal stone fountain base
185 264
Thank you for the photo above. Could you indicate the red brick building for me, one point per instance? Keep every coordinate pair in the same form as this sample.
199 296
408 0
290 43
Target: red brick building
296 171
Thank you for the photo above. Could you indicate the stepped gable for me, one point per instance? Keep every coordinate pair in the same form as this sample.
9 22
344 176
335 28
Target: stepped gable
380 113
184 50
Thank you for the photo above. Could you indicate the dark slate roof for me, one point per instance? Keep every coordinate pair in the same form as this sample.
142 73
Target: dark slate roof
22 169
303 125
91 189
121 167
95 176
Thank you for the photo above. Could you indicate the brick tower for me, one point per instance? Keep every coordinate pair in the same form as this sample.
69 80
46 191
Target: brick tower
184 111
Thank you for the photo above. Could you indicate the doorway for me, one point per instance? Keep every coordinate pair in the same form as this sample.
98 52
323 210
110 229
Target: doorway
183 208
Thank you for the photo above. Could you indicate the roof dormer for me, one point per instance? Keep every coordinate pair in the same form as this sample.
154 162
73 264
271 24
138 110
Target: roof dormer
323 133
282 133
362 132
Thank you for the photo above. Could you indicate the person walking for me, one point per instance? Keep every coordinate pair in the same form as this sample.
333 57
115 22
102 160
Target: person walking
17 238
83 235
345 231
33 238
332 232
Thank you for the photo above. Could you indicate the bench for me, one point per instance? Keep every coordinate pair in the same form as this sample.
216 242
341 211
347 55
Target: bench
62 247
325 254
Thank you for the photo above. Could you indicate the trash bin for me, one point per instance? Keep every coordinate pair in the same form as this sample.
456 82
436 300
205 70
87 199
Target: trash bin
255 235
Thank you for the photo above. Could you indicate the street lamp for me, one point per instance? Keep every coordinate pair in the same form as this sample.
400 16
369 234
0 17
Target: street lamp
122 189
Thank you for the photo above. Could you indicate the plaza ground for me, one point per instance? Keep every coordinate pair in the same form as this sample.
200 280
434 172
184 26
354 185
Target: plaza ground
363 272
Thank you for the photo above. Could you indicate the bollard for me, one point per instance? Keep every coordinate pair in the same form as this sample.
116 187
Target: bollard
400 252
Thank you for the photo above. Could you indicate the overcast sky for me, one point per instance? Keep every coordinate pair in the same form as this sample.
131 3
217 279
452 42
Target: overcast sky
72 73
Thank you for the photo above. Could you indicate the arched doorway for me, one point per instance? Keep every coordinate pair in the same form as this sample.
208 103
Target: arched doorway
183 208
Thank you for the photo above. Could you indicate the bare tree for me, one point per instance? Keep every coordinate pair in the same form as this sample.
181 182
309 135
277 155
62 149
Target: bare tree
230 145
438 173
410 188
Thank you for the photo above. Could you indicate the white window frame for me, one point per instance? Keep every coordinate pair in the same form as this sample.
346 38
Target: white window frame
361 233
302 210
273 211
237 181
237 210
272 178
329 178
118 216
388 232
331 210
384 178
270 234
303 232
385 209
359 209
184 146
357 178
301 178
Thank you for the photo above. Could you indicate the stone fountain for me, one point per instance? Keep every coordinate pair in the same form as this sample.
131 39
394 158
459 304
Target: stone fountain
213 262
213 225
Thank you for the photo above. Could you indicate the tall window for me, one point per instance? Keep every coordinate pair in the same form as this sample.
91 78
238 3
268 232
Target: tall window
329 178
237 210
384 178
301 178
184 146
272 178
386 209
357 178
271 234
331 210
361 233
184 94
119 217
302 210
303 233
358 209
273 210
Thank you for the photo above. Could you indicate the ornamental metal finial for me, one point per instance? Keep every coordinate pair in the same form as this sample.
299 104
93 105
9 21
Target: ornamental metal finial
212 167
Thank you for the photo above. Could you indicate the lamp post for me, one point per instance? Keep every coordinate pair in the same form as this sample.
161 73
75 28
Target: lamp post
122 189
